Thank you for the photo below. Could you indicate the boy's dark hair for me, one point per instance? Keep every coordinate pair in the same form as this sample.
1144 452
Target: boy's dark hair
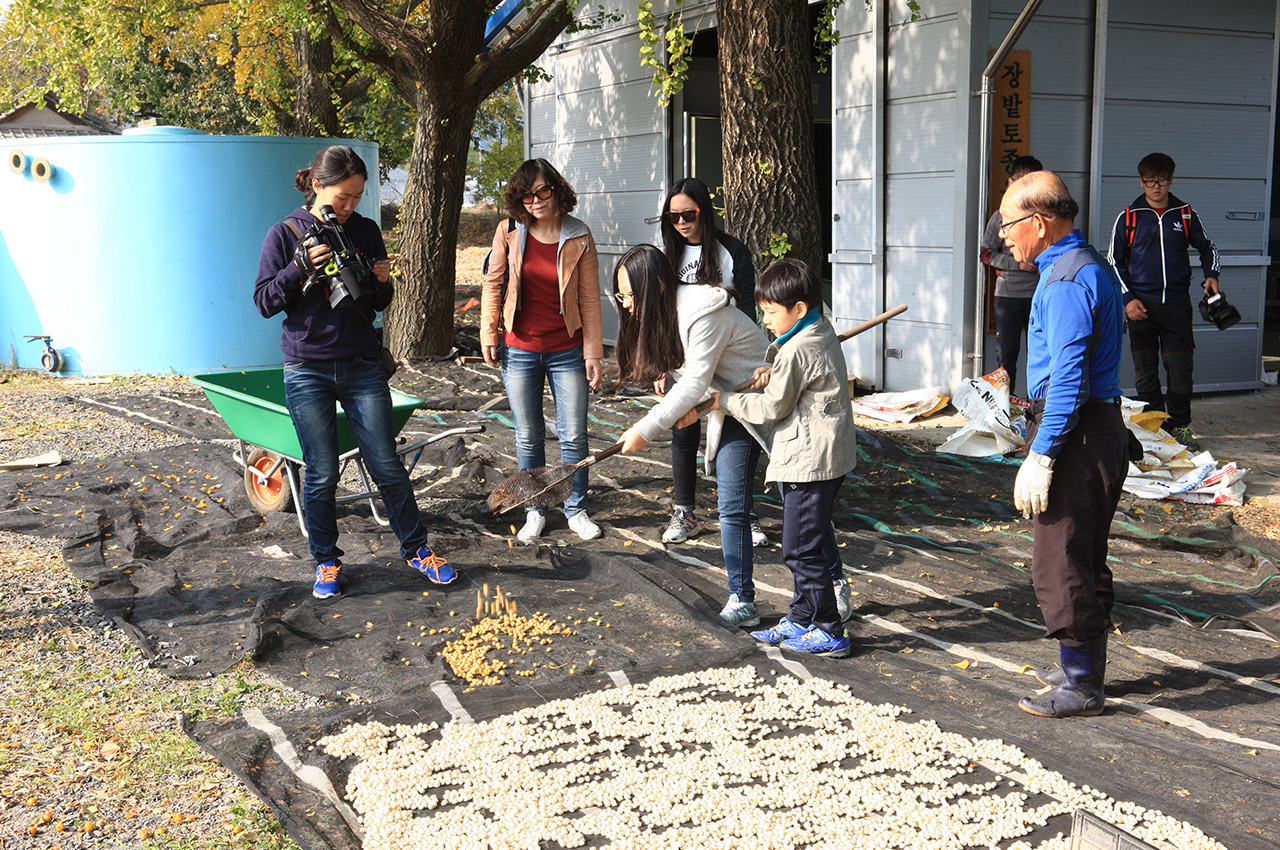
788 282
522 181
332 165
1024 165
1156 165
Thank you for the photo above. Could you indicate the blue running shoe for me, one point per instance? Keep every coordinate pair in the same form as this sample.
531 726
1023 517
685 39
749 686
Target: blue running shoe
739 613
326 584
785 630
817 642
435 568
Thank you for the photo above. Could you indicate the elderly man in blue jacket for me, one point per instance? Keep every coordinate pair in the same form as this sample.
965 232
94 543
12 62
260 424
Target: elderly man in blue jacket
1078 446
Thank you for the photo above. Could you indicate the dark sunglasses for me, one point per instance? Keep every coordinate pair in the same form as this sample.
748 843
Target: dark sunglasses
687 216
541 195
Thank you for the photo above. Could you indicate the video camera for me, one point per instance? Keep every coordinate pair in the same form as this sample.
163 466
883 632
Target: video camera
345 274
1214 308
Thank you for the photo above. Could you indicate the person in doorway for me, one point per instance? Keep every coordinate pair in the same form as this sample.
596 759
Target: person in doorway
1149 244
700 252
540 319
1015 283
814 446
332 356
692 331
1078 445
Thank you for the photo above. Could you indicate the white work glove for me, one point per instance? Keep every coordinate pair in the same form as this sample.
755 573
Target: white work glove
1031 488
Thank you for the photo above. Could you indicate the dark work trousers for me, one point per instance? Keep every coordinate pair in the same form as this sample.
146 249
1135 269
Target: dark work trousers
808 548
684 463
1165 333
1069 561
1012 315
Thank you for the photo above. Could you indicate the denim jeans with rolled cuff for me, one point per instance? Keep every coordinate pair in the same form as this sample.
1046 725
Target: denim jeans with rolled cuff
313 388
525 373
736 458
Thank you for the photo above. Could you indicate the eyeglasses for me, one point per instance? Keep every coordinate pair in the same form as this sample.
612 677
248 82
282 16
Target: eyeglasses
540 195
624 298
687 216
1004 226
1156 181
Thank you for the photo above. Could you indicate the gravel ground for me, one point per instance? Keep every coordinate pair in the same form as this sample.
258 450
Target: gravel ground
91 747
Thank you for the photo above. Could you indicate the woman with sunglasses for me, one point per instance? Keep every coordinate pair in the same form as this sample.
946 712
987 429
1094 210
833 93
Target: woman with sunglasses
695 334
700 252
540 319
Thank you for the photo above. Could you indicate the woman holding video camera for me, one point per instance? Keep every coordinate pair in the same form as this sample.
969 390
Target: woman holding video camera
332 354
540 318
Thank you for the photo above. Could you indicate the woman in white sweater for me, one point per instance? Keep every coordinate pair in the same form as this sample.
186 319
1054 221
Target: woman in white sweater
694 332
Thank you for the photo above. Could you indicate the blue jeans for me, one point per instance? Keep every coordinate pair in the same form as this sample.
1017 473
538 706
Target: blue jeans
312 389
736 459
525 373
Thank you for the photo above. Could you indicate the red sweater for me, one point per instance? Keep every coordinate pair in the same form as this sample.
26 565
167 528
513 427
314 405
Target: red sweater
539 324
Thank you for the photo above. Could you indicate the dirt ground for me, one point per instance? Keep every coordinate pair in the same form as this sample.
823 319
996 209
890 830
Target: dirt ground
945 621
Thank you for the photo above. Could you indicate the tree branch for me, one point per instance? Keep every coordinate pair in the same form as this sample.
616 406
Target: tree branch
525 43
396 35
339 32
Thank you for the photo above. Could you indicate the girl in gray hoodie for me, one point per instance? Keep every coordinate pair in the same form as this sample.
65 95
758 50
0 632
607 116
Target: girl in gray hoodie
694 331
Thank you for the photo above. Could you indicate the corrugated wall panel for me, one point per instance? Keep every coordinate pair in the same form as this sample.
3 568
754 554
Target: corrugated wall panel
924 134
920 214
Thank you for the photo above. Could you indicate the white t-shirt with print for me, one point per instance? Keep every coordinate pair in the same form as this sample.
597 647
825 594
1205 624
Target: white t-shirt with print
692 259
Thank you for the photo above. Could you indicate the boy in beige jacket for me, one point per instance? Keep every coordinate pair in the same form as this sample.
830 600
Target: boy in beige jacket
814 446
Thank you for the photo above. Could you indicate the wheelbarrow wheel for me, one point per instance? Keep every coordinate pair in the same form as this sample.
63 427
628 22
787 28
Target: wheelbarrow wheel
275 494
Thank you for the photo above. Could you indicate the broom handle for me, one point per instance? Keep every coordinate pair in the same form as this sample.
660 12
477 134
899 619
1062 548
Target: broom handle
703 406
598 456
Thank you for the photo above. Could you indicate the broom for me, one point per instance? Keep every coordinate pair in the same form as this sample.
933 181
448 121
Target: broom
548 486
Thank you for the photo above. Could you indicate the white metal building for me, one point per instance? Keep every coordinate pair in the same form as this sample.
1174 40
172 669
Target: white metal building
898 119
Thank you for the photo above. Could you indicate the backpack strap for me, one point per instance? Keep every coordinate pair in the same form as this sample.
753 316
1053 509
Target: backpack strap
292 225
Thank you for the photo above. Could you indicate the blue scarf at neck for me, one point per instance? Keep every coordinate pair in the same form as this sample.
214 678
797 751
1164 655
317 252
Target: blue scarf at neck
806 320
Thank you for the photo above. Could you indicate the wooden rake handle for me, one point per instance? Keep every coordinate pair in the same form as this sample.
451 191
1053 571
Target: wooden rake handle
703 406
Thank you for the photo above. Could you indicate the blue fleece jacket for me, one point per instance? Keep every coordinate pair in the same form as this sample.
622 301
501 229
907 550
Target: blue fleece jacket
1073 339
312 330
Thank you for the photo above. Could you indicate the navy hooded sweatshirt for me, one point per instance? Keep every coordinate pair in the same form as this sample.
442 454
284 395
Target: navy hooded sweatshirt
312 329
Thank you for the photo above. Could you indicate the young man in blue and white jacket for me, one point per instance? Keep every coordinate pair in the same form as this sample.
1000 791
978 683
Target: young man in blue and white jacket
1149 243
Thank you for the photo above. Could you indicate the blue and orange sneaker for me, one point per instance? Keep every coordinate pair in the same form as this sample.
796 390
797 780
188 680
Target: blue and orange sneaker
817 642
435 568
785 630
326 585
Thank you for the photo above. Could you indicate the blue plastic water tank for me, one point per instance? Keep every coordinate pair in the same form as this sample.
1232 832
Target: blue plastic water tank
139 253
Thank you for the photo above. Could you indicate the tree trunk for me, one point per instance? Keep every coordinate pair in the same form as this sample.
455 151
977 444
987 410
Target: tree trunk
314 112
770 180
420 319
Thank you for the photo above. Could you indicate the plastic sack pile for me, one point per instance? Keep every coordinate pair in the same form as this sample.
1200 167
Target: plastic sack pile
998 426
902 406
992 428
1168 471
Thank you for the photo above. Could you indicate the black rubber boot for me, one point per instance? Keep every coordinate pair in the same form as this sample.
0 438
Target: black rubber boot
1080 691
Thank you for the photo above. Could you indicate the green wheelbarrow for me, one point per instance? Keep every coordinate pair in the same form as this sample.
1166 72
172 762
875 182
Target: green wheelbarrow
252 404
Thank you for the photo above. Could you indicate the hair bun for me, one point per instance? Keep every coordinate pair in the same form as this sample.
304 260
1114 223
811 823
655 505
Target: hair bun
302 180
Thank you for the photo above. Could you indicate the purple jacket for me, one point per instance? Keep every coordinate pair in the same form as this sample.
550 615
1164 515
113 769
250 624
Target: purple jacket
312 329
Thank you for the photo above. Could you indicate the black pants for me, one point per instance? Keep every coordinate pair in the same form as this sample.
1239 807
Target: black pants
684 463
1012 315
1166 332
1069 561
808 550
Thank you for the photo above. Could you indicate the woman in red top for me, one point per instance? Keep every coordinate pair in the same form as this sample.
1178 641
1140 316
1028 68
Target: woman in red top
545 324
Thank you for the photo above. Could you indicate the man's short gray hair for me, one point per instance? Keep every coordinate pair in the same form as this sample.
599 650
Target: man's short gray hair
1044 192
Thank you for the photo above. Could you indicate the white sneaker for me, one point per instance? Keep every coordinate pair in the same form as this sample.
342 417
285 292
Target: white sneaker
739 613
535 522
758 537
681 527
844 600
582 525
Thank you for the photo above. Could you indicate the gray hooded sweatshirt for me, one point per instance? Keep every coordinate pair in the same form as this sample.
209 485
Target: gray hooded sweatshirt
722 349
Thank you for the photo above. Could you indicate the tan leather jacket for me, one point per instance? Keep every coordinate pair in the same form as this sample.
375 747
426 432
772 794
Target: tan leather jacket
579 273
